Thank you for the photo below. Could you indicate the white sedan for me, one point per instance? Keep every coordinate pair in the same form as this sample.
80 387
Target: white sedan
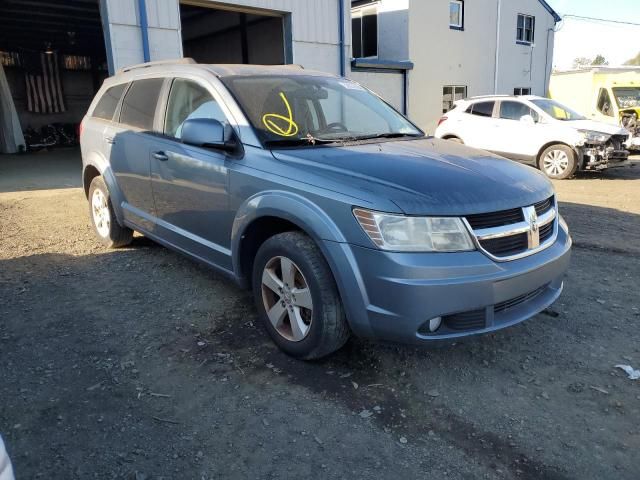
537 131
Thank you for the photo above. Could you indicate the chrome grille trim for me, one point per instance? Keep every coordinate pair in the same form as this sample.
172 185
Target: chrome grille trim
530 226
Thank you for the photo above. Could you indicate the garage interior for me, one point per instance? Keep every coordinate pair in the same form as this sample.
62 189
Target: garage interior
215 35
54 60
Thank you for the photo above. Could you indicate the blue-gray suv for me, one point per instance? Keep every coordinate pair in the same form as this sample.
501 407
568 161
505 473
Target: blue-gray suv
339 213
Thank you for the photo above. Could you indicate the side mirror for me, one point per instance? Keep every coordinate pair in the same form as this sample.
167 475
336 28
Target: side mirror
527 119
207 132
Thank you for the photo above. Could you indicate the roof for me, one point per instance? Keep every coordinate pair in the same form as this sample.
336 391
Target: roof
553 13
498 97
600 69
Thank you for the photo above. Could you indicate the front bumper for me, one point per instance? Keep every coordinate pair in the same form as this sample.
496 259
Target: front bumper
392 296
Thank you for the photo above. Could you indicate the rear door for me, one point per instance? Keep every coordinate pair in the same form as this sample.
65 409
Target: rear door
130 141
477 126
190 184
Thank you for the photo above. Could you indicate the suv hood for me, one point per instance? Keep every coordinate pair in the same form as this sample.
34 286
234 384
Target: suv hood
422 177
597 127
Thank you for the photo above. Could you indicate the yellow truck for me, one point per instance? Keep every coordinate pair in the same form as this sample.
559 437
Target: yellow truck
605 94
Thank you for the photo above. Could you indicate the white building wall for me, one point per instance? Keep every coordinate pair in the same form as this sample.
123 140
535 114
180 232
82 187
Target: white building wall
523 65
443 56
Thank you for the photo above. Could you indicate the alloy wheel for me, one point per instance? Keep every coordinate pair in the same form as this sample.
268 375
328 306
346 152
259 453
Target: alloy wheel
287 298
555 162
100 212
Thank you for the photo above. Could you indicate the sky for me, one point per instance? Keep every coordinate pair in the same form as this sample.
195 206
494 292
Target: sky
582 38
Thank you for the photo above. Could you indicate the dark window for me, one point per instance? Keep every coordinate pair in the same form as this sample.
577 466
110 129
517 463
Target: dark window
522 91
451 94
482 109
604 103
139 105
515 111
106 106
364 31
526 28
189 100
456 14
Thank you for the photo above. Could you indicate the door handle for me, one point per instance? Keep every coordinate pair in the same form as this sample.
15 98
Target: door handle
110 140
160 156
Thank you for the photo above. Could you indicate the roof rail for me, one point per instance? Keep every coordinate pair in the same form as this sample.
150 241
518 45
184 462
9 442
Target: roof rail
174 61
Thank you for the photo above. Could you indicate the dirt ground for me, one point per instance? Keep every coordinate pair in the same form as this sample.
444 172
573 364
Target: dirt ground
140 364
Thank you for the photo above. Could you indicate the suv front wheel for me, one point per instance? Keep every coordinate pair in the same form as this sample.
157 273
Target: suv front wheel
297 297
558 162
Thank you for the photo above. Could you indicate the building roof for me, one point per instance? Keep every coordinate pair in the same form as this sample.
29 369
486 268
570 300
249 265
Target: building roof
553 13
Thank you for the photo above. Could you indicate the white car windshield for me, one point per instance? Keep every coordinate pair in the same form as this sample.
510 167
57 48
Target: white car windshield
627 97
557 110
304 110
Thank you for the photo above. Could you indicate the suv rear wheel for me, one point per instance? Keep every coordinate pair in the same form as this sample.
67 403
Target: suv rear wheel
110 233
297 298
558 162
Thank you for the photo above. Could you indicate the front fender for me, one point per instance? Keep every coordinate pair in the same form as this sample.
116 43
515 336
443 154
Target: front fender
286 205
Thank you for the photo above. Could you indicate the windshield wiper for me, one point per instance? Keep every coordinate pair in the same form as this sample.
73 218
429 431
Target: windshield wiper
387 135
298 142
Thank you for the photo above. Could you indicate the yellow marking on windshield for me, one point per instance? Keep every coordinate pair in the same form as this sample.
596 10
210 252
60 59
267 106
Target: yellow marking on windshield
290 127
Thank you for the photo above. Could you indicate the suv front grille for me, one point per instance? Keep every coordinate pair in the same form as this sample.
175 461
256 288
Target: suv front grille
495 219
515 233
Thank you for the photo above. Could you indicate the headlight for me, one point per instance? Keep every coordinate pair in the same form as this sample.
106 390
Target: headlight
594 137
415 234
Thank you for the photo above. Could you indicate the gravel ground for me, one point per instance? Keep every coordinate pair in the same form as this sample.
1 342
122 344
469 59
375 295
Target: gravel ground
140 364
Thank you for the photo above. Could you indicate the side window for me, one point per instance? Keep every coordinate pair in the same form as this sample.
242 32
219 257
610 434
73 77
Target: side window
604 103
188 100
139 105
456 14
515 111
481 109
107 105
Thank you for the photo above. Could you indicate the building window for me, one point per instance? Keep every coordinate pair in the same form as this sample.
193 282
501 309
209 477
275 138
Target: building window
522 91
364 31
10 59
451 94
526 29
76 62
456 14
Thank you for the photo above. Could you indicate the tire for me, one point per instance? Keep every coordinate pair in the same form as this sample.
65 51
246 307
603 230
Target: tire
558 162
105 224
318 331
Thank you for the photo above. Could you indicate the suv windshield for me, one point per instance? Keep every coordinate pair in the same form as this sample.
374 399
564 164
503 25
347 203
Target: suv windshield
305 110
627 97
557 110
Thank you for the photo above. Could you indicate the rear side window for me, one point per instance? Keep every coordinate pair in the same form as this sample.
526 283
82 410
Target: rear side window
106 106
515 111
139 105
482 109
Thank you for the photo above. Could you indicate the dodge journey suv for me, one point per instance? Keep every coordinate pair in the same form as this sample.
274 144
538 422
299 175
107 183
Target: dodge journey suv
338 212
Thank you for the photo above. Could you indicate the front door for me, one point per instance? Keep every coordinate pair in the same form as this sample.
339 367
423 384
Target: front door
190 184
515 138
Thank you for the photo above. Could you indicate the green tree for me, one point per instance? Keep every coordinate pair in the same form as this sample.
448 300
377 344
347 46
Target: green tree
599 60
634 61
581 62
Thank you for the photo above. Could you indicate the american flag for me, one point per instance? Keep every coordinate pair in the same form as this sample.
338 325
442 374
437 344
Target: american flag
44 90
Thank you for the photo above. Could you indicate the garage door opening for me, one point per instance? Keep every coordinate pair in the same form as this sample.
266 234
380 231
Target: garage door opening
53 60
212 35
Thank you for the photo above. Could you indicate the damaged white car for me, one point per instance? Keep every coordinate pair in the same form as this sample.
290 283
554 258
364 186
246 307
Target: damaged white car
537 131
